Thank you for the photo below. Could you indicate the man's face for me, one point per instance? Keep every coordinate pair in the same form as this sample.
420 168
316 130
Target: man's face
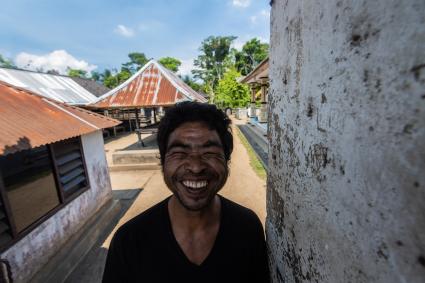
195 167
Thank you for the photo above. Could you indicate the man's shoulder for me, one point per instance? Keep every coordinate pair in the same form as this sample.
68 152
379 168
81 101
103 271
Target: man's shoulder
240 215
145 222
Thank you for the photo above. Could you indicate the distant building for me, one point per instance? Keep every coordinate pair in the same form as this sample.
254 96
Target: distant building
53 175
258 79
92 86
72 91
144 95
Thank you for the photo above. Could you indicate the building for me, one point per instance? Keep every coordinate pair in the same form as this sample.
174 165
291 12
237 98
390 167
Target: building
91 86
258 80
151 89
53 176
60 88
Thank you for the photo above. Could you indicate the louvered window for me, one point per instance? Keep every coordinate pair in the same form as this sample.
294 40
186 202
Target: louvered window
68 157
5 227
35 183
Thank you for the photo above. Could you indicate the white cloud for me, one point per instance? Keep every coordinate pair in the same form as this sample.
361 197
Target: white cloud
124 31
186 67
241 3
58 60
265 13
262 16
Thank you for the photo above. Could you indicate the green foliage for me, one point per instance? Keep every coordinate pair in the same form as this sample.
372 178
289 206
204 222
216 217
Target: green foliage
231 93
96 76
170 63
109 80
192 83
252 53
211 63
77 73
6 63
137 61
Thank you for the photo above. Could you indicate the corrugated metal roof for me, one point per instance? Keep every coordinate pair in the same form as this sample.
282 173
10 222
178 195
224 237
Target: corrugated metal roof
28 120
152 85
59 88
91 86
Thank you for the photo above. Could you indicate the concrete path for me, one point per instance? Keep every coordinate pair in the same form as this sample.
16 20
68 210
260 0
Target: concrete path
243 187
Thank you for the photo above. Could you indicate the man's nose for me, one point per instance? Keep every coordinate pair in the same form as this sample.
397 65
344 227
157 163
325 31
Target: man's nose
195 163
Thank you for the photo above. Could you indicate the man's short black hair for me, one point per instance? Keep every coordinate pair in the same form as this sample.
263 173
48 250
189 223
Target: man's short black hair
188 111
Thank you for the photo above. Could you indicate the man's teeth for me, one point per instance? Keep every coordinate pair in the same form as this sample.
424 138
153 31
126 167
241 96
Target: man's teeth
195 184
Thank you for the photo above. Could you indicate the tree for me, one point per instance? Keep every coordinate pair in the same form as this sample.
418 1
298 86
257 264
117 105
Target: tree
192 83
96 76
170 63
252 53
210 64
6 63
77 73
137 61
231 93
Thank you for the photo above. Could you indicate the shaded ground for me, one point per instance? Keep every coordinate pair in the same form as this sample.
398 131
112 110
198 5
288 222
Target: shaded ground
243 186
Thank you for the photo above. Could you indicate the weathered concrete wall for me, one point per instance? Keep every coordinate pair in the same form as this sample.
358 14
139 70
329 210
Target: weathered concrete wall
32 252
346 187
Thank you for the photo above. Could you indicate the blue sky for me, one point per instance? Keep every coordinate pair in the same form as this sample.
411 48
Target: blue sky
100 33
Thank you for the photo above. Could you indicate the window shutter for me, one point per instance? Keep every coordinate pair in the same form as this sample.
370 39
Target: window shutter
5 230
70 166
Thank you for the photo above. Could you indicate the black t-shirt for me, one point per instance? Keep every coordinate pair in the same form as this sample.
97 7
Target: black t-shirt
145 250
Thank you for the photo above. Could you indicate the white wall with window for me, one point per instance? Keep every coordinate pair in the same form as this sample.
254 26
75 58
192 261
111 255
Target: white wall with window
47 194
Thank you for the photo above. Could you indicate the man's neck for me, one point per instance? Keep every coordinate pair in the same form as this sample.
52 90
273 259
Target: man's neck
191 221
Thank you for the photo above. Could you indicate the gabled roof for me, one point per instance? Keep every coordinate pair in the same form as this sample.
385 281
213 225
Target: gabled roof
91 86
153 85
28 120
56 87
259 72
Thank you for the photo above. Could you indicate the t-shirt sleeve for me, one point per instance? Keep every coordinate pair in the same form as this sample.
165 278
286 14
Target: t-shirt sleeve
115 268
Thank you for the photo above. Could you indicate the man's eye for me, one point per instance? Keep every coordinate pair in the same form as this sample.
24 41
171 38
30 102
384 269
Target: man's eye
177 154
212 155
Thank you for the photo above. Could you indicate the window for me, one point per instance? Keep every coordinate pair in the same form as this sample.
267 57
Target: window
36 183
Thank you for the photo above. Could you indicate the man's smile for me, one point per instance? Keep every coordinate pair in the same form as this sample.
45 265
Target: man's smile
195 184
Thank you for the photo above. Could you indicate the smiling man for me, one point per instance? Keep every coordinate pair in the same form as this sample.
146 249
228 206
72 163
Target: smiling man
195 235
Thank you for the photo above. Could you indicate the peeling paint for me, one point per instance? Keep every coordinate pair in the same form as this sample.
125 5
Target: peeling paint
346 153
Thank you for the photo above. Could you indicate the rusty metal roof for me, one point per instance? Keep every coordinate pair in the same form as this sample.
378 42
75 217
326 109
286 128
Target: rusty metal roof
153 85
57 87
28 120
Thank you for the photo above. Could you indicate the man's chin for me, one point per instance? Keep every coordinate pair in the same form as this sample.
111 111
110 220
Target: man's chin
194 204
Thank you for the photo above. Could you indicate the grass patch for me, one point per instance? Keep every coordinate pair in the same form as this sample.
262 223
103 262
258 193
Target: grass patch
255 163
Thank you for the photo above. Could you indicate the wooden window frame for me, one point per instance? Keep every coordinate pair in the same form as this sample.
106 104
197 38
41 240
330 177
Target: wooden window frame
63 201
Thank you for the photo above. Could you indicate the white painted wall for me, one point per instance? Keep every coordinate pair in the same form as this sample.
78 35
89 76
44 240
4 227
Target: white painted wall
346 183
28 255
